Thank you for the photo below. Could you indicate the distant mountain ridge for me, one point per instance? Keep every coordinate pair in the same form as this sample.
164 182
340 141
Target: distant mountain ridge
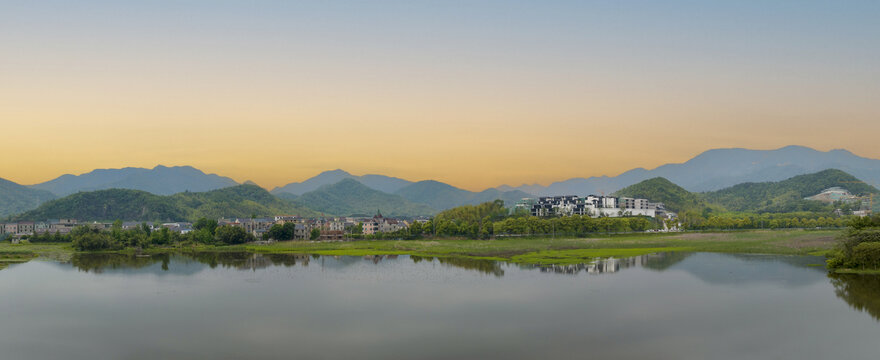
431 194
160 180
15 198
710 171
386 184
720 168
443 196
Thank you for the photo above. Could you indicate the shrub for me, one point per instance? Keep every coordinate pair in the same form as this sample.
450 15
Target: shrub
865 256
94 241
230 235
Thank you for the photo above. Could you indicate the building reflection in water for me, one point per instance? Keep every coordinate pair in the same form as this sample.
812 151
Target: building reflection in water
658 261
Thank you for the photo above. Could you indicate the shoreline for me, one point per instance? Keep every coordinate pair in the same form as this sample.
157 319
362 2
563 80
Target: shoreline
535 251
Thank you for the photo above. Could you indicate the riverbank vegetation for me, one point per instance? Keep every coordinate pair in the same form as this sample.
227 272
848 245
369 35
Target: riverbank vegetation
88 238
858 249
528 250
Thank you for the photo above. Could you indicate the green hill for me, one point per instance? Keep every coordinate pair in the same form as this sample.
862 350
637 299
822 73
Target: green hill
123 204
109 204
350 197
787 195
237 201
15 198
659 189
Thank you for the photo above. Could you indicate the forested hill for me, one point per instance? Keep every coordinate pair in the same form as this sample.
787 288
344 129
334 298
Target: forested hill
787 195
774 197
123 204
350 197
659 189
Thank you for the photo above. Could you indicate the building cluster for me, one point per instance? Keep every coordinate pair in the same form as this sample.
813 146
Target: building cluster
592 205
330 228
23 228
833 194
837 194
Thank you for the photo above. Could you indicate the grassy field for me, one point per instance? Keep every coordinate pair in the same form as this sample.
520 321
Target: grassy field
517 249
569 250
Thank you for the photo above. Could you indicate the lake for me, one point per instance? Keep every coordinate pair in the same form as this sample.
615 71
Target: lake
250 306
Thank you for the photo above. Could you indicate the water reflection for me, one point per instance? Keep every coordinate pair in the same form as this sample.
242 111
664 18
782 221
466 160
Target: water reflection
861 292
99 263
269 306
488 267
658 262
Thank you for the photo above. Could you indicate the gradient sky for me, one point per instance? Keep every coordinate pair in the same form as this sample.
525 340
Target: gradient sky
473 93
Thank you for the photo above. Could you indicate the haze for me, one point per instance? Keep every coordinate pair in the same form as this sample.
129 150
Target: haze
472 94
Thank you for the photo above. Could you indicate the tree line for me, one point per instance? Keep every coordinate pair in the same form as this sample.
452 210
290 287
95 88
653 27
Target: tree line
87 238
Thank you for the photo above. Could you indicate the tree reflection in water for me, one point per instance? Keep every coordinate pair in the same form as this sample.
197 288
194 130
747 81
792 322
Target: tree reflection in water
489 267
861 292
98 263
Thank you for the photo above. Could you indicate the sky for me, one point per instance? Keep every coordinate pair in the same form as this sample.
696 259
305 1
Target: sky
472 93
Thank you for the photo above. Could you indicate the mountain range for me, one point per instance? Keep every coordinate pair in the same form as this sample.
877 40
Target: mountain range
710 171
386 184
160 180
350 197
720 168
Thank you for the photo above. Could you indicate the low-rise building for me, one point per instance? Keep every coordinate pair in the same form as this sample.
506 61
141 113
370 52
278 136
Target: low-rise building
302 232
334 235
380 224
26 227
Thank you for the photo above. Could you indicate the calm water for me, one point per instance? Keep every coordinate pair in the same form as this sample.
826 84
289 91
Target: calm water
244 306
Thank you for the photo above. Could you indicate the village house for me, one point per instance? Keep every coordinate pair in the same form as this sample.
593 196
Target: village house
26 227
61 226
283 219
333 235
179 227
380 224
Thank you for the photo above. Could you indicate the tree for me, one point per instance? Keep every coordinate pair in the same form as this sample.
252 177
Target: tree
232 235
316 233
204 223
282 232
90 239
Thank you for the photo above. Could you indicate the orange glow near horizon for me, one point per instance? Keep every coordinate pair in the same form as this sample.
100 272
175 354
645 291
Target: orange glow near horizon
278 93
